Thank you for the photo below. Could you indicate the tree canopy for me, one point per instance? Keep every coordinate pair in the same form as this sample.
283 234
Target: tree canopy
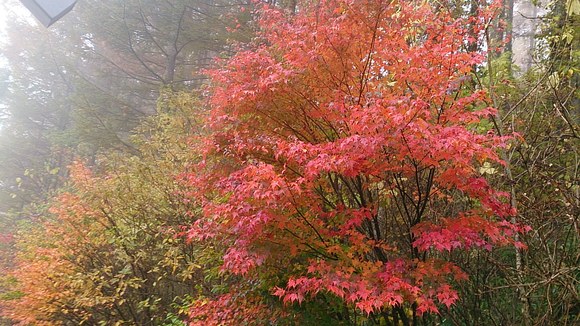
316 162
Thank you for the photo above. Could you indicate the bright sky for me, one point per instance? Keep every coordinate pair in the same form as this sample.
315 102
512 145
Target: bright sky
10 9
3 17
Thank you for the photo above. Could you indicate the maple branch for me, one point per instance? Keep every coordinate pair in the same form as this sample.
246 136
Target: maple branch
352 192
320 192
428 188
336 187
282 123
403 193
367 66
297 209
317 251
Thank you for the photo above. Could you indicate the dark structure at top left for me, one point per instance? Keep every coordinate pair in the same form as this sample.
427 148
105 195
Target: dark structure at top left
49 11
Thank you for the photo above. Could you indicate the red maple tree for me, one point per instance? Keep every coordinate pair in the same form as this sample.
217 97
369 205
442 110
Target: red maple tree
345 146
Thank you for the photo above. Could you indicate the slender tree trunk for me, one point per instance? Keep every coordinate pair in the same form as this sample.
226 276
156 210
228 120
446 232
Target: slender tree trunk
524 23
498 123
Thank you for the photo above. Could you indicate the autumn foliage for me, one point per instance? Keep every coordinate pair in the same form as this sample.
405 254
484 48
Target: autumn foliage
48 264
336 176
106 250
345 148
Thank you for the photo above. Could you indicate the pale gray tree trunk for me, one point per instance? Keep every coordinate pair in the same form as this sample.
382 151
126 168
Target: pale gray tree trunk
525 22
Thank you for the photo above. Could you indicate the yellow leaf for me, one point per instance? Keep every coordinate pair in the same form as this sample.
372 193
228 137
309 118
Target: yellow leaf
487 169
573 7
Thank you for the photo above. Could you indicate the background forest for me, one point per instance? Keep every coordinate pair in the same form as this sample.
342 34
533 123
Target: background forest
331 162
